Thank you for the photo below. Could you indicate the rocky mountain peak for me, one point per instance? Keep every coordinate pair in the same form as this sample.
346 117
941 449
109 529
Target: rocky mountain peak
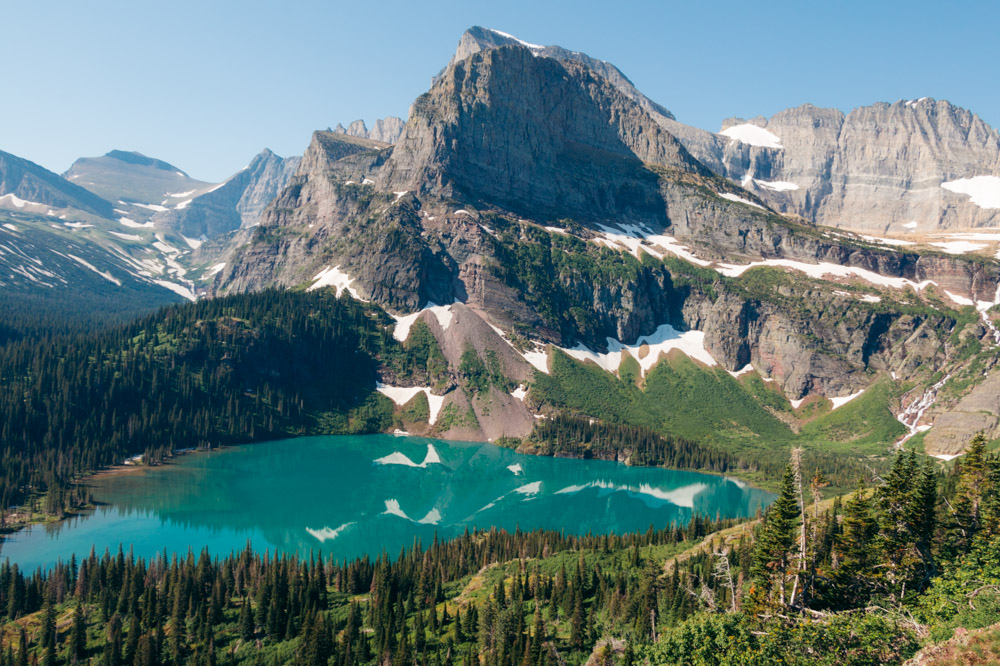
478 38
138 159
385 130
534 134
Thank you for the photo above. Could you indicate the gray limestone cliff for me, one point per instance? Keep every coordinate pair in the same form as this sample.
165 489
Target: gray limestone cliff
385 130
234 204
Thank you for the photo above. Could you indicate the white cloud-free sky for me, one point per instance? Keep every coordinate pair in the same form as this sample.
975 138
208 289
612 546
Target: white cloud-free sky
207 85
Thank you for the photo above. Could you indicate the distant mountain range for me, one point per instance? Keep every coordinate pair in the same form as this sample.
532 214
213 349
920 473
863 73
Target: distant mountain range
540 213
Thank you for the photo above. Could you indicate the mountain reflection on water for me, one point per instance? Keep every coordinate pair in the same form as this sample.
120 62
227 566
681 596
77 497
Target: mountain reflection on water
355 495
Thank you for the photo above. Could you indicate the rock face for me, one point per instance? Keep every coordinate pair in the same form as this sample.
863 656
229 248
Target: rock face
31 183
505 191
477 39
979 411
386 130
537 136
236 203
885 168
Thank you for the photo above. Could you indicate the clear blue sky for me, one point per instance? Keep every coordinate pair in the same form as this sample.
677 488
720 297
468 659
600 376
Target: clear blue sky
206 85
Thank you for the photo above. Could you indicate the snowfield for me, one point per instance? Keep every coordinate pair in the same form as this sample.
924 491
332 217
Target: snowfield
443 314
403 394
661 341
336 278
984 191
752 135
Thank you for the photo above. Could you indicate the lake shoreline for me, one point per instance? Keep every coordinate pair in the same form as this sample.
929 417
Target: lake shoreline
126 469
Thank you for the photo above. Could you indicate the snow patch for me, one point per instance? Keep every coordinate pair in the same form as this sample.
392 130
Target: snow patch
636 239
19 203
215 269
128 237
177 289
840 402
821 270
647 349
129 222
888 241
945 456
194 243
777 185
338 279
516 469
984 191
520 393
104 274
732 197
519 41
153 207
753 135
403 394
10 227
742 371
443 314
959 247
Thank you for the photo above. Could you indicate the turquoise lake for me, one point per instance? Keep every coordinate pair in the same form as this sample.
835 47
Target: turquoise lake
349 496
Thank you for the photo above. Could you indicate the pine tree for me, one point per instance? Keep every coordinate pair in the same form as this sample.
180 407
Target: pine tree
771 556
854 545
78 634
246 621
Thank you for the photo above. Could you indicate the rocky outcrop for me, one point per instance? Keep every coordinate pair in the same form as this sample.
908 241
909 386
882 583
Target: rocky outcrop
31 183
884 168
477 39
536 136
385 130
978 411
238 202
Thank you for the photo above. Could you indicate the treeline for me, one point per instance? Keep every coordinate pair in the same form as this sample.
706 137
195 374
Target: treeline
218 371
253 608
614 441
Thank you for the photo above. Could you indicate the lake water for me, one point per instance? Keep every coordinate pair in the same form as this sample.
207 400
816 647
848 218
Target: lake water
354 495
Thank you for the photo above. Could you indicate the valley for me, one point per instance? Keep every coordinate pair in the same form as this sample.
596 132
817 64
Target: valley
536 375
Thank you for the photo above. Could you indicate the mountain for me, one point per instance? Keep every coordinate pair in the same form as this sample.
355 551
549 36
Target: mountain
237 202
908 167
533 212
477 39
386 130
26 186
137 185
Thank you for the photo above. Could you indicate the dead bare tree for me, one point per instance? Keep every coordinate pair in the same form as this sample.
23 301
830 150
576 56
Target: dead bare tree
725 572
801 564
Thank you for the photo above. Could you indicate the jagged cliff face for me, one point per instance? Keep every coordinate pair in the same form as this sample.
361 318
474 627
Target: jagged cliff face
385 130
236 203
537 136
558 209
477 39
887 168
